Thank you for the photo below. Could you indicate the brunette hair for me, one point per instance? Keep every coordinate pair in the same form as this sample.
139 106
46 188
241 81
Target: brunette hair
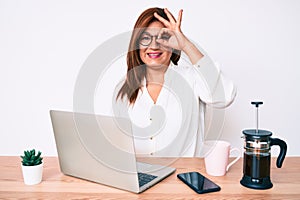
136 69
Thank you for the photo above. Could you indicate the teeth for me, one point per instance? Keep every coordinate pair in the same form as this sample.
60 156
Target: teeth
154 54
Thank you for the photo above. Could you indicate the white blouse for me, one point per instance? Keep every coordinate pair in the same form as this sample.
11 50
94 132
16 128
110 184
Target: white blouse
174 125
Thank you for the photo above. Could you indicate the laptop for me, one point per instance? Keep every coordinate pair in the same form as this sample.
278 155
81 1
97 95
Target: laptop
101 149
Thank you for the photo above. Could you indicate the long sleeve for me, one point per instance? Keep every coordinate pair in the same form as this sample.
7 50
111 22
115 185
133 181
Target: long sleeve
211 85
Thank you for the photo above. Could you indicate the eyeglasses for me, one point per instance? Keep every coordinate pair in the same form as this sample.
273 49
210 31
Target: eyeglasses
146 39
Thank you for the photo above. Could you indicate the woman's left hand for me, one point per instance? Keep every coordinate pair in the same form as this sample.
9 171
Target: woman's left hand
177 39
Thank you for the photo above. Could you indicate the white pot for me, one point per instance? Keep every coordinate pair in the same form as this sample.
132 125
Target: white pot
32 174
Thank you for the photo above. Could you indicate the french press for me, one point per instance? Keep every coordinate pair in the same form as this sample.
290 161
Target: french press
257 156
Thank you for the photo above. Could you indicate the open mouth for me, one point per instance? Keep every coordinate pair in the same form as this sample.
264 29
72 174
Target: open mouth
154 55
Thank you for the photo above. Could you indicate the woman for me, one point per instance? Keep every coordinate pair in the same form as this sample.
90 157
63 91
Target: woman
165 102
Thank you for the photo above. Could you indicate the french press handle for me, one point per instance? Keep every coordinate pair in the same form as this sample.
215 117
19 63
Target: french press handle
283 148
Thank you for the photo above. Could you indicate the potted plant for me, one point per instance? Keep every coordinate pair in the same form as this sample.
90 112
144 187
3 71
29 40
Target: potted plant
32 167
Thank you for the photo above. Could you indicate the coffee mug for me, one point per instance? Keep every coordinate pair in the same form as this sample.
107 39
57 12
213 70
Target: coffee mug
216 157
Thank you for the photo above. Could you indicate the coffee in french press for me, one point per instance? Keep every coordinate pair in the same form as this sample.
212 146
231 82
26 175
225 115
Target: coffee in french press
257 156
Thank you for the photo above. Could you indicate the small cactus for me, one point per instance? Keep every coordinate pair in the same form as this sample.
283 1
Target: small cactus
30 159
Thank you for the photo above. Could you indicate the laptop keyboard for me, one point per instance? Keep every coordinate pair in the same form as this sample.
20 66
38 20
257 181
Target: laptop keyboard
145 178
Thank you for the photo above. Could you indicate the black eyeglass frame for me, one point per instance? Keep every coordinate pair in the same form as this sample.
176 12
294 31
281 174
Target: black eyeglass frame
164 37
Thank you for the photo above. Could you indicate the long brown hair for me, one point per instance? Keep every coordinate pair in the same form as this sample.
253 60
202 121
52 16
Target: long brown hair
136 69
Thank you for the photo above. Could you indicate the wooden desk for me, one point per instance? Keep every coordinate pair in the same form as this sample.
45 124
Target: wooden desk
55 185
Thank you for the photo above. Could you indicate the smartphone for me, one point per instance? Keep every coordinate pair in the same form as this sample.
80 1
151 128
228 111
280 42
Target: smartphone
198 182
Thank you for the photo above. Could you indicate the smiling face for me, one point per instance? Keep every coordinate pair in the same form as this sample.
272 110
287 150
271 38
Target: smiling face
154 55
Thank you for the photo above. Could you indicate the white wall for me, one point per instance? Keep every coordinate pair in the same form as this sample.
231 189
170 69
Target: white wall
43 45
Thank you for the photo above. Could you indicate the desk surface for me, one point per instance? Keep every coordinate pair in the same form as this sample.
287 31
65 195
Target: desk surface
55 185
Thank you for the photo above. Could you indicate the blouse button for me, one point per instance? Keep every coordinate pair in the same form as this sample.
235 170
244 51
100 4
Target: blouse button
151 138
151 153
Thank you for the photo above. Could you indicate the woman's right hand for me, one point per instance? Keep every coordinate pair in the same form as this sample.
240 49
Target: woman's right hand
177 39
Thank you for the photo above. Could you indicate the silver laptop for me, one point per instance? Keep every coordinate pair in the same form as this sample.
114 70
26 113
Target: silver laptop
101 149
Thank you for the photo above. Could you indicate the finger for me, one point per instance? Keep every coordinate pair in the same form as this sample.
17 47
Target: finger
179 19
165 37
165 31
162 42
170 16
162 34
162 20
